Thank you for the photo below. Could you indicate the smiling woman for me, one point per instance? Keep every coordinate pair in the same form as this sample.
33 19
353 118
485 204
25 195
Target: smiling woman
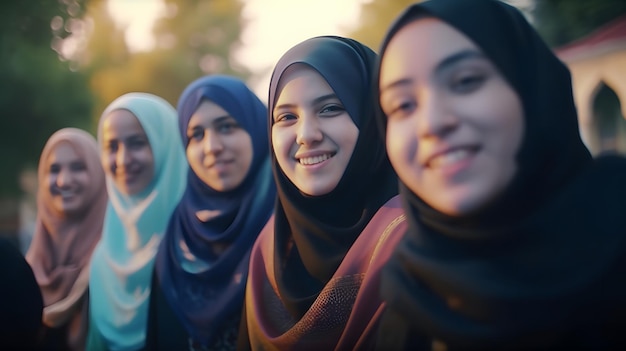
145 170
500 193
313 282
71 203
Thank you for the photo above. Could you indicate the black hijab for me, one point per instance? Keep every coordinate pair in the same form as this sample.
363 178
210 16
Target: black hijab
322 228
21 302
532 265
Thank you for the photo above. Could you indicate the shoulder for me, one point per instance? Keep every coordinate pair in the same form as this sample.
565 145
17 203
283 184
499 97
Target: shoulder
389 218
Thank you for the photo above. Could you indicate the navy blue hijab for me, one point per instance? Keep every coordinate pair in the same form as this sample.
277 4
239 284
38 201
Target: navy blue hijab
203 283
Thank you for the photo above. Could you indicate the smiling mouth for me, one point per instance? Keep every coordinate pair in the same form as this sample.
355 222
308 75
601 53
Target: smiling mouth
451 157
307 161
218 163
65 194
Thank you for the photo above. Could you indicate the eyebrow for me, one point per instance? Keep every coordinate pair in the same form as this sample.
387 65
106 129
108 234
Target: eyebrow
315 101
441 66
459 56
216 121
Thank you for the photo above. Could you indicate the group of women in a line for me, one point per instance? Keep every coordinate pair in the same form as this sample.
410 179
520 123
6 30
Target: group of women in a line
434 196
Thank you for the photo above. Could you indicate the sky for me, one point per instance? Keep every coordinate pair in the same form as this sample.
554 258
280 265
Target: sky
273 27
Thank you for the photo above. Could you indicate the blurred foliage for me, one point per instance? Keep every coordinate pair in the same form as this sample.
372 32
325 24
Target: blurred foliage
39 93
194 38
558 21
376 16
563 21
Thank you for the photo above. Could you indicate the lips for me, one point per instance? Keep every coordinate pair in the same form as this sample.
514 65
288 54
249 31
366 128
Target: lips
308 160
64 193
450 156
314 159
217 163
129 176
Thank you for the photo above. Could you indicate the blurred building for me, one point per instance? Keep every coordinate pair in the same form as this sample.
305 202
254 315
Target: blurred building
598 66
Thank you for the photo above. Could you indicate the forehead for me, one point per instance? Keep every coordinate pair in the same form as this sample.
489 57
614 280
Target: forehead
421 45
63 152
207 112
301 81
121 123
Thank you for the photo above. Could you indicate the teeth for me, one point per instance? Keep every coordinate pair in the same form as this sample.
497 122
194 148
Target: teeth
315 159
449 158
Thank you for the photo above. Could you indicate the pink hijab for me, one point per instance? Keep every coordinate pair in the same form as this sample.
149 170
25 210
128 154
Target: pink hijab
61 248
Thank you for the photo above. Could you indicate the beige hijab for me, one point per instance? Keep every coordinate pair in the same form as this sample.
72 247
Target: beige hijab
62 246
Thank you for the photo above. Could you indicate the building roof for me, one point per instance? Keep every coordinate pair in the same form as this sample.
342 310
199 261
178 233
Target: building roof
605 39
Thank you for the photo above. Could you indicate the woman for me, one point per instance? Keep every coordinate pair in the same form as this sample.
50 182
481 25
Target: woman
313 281
516 236
145 170
202 264
71 200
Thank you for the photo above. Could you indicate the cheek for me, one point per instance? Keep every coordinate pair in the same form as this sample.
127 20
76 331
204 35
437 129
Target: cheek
399 143
148 159
83 180
108 162
193 156
508 126
247 153
280 147
51 180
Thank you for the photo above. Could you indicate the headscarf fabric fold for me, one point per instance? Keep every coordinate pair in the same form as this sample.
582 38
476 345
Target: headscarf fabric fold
123 261
203 282
546 257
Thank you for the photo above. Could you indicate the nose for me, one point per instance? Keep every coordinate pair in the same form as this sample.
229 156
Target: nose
309 131
435 116
212 142
123 157
64 178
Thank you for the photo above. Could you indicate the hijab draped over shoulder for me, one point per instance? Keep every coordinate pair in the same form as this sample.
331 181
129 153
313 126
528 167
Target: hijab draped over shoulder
547 256
312 257
202 264
122 264
62 244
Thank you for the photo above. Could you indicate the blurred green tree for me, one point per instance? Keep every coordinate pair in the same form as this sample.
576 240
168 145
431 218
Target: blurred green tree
193 38
39 91
375 17
562 21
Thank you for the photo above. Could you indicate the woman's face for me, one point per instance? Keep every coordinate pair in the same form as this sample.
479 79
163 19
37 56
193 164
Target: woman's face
67 179
219 149
454 124
126 153
312 134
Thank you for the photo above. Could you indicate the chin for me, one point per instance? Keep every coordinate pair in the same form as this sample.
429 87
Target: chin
70 211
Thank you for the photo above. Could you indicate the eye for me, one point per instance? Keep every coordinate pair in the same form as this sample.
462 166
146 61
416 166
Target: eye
137 144
285 117
467 83
78 166
400 108
55 169
111 146
226 127
196 134
332 110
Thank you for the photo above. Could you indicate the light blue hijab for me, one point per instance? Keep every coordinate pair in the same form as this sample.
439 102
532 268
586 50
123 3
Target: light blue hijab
123 261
